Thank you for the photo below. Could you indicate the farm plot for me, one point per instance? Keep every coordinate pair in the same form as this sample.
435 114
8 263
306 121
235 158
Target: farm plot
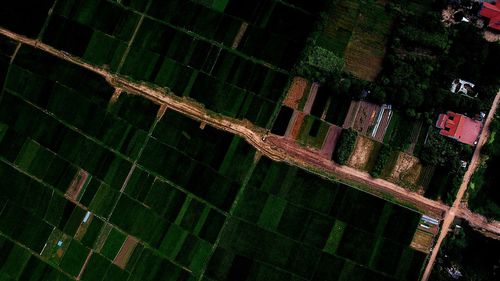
406 171
364 154
295 95
369 119
331 141
338 229
223 81
366 49
313 132
97 31
338 30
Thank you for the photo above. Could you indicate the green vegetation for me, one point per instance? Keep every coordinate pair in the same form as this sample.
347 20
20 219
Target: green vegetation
483 192
320 64
345 146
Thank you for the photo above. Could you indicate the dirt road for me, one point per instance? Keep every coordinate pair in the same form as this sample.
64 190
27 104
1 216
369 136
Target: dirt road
452 212
274 147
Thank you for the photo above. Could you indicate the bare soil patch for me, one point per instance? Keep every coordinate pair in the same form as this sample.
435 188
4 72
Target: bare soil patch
363 154
295 124
295 92
76 185
125 252
406 170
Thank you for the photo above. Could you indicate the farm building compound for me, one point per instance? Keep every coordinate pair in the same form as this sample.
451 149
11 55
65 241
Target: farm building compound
492 11
459 127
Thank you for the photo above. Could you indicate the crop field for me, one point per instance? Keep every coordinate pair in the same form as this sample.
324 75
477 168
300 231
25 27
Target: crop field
366 49
95 187
228 42
101 183
313 132
365 153
335 237
406 171
338 30
357 31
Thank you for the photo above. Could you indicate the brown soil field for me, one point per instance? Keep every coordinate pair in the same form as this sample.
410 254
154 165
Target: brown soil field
125 252
295 124
363 153
422 241
295 92
406 171
76 185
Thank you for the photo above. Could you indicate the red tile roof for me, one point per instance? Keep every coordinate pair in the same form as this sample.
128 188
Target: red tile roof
493 13
459 127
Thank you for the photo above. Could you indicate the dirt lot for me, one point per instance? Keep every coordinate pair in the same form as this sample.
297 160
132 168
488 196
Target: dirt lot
295 92
422 241
363 153
406 171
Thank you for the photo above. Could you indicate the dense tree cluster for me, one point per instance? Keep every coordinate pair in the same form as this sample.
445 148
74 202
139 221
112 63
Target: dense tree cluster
485 196
345 146
424 57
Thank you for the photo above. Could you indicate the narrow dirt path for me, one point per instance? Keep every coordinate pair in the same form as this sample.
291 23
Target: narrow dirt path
450 215
275 147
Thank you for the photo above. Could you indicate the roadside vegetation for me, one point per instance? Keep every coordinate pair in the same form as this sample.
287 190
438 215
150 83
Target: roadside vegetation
484 195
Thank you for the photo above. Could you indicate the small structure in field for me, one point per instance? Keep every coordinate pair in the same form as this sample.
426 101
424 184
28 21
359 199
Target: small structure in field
492 12
459 127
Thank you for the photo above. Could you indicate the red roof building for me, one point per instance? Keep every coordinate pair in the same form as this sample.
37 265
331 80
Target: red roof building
459 127
492 12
